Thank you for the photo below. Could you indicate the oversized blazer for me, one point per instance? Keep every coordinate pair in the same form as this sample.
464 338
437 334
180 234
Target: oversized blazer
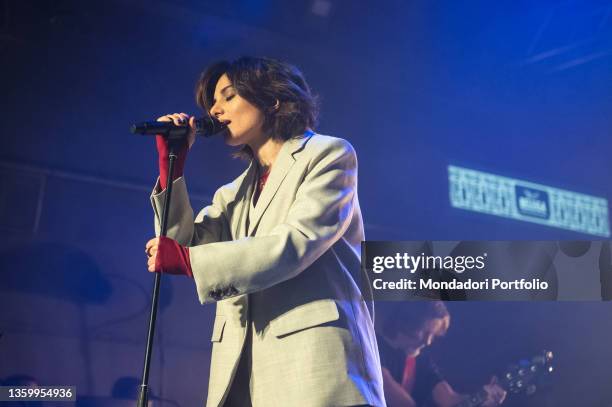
288 268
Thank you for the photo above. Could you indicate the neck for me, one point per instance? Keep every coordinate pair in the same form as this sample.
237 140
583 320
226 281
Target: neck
266 152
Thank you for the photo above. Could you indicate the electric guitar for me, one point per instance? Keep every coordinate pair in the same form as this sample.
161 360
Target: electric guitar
518 378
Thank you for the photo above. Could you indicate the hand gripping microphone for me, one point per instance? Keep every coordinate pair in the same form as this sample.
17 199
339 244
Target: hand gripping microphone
204 126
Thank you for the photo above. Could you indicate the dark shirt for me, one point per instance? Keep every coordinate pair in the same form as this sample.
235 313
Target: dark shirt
427 373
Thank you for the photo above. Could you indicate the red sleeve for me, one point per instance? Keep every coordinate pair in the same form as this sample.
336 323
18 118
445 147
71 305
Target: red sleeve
172 258
179 164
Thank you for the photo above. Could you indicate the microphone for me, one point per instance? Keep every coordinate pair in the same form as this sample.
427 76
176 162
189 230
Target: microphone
204 126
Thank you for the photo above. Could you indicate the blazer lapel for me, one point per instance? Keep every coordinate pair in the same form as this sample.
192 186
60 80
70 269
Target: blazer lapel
280 169
242 209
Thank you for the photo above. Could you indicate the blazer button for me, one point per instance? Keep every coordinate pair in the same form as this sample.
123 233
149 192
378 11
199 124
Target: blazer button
215 294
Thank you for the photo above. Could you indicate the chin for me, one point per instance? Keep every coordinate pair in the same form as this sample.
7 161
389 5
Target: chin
232 140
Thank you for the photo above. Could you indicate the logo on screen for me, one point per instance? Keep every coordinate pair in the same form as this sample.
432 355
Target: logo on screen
532 202
523 200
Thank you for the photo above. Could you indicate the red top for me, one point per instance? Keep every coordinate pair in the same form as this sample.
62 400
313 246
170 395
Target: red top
409 373
260 185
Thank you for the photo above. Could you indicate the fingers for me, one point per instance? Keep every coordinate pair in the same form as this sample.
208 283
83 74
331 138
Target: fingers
500 393
179 119
151 243
151 263
166 118
502 396
495 394
182 119
151 248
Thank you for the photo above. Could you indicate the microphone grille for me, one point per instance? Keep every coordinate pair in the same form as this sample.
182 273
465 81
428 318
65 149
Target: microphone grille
208 126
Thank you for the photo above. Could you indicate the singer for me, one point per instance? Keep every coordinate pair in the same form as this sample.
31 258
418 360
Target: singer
278 248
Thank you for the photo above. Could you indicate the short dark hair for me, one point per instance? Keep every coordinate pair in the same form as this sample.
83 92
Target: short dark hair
263 82
410 316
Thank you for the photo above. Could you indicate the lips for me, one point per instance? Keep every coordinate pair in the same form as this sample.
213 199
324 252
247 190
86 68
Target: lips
225 127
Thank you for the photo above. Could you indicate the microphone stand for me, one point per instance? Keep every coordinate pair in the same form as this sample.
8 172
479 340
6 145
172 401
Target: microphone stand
174 137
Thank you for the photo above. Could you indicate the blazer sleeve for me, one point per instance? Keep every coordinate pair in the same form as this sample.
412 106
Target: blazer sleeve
211 224
318 217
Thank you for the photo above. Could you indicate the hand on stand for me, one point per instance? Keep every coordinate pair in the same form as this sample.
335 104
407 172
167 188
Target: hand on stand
167 256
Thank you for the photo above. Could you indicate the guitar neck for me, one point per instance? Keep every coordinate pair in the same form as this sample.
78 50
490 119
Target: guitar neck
518 378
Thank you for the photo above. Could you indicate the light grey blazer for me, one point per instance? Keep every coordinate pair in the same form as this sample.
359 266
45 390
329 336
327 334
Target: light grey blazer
289 268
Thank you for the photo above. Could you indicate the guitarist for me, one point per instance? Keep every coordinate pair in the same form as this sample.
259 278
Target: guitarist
410 379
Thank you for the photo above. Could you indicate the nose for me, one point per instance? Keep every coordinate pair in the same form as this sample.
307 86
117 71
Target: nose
216 111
